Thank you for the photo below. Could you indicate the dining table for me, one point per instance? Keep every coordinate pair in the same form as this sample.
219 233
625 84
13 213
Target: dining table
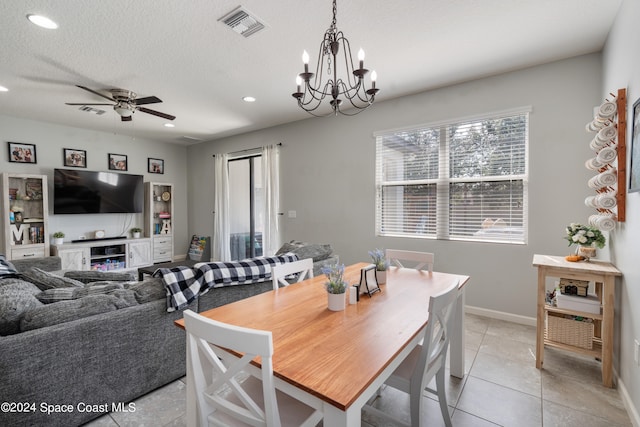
341 358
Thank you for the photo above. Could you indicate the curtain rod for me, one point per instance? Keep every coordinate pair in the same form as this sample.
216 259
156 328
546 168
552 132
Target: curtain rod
279 144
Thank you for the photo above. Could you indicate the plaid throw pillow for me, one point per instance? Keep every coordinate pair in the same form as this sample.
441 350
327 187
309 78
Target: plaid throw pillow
6 268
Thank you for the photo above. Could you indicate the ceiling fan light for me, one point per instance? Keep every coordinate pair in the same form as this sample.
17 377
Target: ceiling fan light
42 21
123 110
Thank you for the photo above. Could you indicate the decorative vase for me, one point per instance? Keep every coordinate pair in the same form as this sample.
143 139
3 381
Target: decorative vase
58 240
336 302
381 277
136 235
586 252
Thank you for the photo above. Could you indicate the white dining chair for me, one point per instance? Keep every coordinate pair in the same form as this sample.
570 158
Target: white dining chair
229 389
417 260
303 268
426 360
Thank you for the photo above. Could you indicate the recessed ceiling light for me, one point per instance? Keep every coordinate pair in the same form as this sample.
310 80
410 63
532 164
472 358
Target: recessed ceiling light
169 125
3 89
249 99
42 21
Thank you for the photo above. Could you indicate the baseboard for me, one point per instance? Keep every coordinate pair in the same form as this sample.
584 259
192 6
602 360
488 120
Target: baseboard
501 315
632 411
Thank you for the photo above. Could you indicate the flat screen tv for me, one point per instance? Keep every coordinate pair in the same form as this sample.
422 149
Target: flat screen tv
89 192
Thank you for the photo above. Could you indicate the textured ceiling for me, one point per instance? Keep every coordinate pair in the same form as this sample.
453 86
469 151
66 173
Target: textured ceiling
178 51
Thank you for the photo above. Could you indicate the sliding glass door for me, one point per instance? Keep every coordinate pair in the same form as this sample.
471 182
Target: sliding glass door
246 203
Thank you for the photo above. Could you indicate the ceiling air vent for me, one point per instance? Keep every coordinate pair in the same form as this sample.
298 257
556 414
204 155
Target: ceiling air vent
242 22
88 109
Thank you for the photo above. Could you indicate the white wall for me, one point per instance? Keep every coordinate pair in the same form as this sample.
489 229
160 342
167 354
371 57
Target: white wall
621 69
327 175
51 139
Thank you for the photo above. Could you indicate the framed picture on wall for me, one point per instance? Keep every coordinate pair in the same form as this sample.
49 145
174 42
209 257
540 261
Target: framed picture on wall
75 158
117 162
22 153
634 176
155 165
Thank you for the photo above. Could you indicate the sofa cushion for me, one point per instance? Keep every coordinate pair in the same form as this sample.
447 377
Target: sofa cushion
64 294
16 297
66 311
6 268
306 250
95 276
148 290
46 280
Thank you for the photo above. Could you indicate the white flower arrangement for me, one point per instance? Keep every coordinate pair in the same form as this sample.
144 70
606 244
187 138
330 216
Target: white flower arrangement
578 234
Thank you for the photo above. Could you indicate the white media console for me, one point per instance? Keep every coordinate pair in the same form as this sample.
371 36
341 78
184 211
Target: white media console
104 254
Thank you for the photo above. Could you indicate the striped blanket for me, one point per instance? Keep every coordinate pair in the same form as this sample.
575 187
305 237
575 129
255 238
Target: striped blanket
184 284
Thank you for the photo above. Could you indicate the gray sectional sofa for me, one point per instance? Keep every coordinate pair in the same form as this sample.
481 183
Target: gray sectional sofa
102 345
68 373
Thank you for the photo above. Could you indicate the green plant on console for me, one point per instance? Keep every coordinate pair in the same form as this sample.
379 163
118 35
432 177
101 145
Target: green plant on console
58 235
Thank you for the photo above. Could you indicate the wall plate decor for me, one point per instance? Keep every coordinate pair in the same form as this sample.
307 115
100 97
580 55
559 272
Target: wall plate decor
117 162
22 153
75 158
155 165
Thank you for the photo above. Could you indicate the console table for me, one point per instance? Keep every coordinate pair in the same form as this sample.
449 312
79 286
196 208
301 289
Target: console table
603 274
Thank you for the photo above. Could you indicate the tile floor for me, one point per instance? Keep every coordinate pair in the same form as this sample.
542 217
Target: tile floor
502 388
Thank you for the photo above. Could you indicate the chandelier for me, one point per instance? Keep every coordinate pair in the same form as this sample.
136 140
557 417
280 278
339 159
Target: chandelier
312 88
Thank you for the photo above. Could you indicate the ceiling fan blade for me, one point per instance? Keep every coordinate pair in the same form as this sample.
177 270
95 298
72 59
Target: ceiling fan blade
156 113
82 103
96 93
126 118
147 100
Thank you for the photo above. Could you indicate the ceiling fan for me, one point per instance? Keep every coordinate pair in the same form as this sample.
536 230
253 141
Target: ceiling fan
126 103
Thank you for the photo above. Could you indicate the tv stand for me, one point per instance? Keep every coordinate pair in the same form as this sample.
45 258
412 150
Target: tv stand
98 239
105 254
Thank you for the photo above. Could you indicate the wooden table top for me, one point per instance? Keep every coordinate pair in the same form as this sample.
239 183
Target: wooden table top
591 266
336 355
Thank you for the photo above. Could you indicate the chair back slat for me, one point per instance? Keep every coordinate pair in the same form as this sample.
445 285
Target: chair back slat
417 260
302 268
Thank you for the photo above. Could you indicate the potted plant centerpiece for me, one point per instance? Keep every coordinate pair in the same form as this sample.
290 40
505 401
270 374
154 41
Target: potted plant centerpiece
58 238
382 264
587 240
135 232
336 286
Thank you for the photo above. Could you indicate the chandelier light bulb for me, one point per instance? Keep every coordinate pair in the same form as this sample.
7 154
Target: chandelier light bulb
298 82
305 57
374 77
361 58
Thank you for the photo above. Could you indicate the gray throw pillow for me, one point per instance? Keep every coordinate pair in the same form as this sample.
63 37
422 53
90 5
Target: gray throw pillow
45 280
306 250
6 268
148 290
66 311
64 294
16 298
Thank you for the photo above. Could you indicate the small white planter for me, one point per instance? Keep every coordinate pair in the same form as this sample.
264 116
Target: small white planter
136 235
337 302
381 277
58 240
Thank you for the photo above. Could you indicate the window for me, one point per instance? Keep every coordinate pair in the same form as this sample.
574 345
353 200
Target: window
462 180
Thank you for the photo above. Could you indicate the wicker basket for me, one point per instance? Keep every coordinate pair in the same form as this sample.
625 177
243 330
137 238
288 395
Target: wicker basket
569 331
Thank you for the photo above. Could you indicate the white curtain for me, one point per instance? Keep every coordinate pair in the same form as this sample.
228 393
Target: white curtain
271 183
221 251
